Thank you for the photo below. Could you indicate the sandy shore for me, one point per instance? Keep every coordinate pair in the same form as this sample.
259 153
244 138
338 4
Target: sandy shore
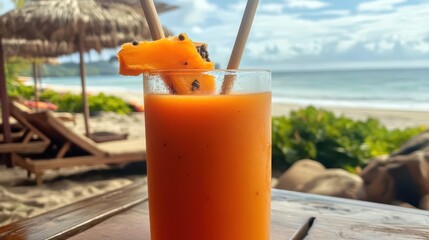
390 118
19 198
134 96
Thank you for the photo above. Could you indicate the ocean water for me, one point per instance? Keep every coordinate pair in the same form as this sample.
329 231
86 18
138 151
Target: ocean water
388 89
406 89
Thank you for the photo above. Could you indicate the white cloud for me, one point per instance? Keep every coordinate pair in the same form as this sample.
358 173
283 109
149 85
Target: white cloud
275 8
346 45
382 46
238 6
306 4
199 11
335 12
370 46
385 45
401 35
197 29
379 5
311 38
191 12
327 13
422 47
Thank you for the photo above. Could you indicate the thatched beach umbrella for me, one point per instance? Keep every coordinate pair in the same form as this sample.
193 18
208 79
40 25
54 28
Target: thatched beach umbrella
84 24
35 48
160 7
45 51
35 51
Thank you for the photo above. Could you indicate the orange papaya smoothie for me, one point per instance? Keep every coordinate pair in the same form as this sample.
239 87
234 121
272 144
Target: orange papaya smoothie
209 166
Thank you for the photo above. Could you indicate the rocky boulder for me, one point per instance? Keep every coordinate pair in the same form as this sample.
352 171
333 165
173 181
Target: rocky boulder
379 184
337 183
416 143
299 174
424 202
401 177
312 177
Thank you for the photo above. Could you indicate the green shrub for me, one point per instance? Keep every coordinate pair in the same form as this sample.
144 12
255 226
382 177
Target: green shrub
48 95
102 102
334 141
19 90
69 102
12 68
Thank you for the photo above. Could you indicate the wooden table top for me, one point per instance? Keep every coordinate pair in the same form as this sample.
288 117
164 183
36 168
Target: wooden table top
123 214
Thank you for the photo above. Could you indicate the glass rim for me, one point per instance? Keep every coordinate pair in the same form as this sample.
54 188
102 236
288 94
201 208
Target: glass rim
163 71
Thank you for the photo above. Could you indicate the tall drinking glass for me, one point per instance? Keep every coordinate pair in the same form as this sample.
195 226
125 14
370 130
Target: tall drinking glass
208 154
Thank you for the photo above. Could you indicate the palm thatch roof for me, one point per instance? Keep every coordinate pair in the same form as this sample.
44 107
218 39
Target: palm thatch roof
35 48
160 7
103 23
79 24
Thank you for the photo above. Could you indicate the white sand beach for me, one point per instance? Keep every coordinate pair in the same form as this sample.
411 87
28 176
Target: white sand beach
20 198
391 118
134 96
388 117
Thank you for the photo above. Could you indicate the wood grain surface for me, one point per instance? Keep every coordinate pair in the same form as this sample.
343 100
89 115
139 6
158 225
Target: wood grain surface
338 218
72 219
123 214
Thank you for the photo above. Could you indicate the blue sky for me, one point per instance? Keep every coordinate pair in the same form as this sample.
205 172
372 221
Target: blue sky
308 34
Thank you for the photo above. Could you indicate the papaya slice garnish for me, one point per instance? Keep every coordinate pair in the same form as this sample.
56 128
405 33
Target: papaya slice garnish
177 52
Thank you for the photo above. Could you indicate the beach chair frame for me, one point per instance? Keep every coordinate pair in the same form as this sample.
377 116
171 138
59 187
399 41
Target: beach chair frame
67 141
31 140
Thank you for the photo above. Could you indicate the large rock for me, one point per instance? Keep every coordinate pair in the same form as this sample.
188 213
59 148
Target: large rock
416 143
299 174
402 177
379 184
403 204
337 183
424 202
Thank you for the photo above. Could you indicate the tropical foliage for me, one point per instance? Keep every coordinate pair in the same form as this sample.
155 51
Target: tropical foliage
72 69
335 141
69 102
12 68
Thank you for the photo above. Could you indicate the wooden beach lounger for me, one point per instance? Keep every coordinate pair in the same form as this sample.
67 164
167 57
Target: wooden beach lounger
18 130
29 139
63 116
69 149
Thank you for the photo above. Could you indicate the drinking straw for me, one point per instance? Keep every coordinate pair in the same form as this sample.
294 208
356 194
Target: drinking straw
152 19
240 43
